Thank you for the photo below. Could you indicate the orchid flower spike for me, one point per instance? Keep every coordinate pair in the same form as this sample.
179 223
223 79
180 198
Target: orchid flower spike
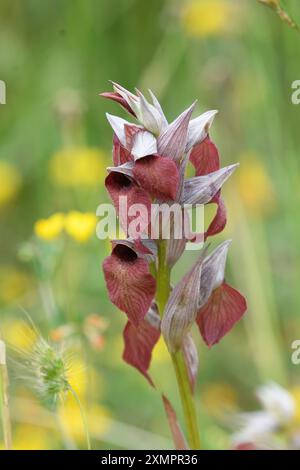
150 155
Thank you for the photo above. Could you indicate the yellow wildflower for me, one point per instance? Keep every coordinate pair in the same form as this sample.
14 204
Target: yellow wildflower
254 185
80 225
13 283
205 18
84 379
295 392
219 397
72 167
51 228
78 376
19 334
98 419
28 437
10 182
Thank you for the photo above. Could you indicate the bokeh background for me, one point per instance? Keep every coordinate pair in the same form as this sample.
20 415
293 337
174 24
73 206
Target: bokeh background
55 144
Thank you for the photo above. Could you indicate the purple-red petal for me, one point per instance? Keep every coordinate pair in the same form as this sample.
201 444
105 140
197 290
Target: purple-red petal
139 343
217 317
177 434
119 185
118 99
219 221
130 131
130 285
205 157
159 176
246 446
120 154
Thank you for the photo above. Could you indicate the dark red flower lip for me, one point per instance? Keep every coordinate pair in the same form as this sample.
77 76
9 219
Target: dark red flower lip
159 176
130 285
206 160
143 248
205 157
118 181
217 317
124 252
220 305
140 341
123 188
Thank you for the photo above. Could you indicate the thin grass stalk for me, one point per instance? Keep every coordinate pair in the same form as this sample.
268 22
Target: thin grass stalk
4 399
83 417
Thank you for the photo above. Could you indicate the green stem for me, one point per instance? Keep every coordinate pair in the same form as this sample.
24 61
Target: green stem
48 300
163 277
187 400
163 292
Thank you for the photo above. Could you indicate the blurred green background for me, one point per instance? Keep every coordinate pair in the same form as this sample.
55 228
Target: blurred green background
55 143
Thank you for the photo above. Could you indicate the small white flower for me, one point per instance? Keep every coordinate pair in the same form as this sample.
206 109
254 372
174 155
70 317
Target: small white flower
277 401
255 427
258 427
